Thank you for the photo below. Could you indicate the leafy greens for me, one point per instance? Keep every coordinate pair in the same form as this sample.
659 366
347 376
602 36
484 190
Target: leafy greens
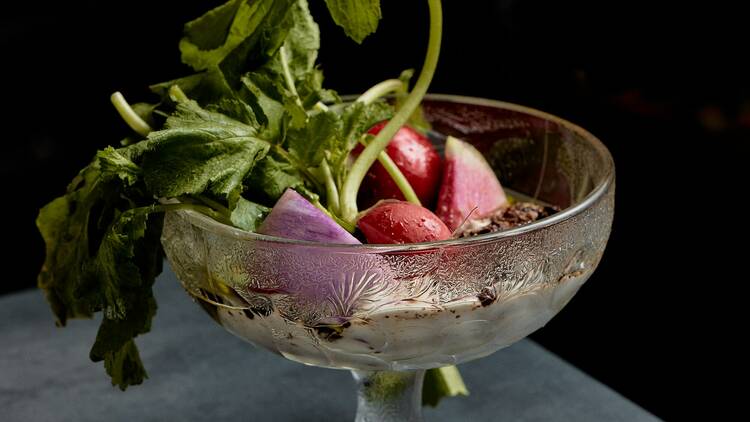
252 122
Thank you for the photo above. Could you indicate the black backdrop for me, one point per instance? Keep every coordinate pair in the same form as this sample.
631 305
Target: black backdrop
663 86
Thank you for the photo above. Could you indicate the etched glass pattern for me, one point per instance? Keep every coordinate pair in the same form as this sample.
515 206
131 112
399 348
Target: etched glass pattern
413 307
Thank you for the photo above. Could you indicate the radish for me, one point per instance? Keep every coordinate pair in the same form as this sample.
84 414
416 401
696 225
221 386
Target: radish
469 187
294 217
401 222
311 274
417 159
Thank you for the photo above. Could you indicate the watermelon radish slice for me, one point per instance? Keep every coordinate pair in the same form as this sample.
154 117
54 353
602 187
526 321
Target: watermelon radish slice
294 217
469 185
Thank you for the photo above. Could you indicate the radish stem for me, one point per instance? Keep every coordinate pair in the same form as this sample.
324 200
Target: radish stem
362 164
397 176
177 95
332 192
382 89
129 115
288 75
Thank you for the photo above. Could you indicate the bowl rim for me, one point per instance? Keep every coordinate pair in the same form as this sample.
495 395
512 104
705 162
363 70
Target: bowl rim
207 223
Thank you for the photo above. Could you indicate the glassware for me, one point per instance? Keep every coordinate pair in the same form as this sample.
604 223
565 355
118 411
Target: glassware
389 312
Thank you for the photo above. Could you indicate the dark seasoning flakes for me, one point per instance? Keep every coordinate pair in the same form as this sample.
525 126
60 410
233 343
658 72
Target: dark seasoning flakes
518 214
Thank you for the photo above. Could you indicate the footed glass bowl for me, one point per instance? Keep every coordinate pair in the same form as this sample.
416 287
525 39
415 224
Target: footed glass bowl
388 312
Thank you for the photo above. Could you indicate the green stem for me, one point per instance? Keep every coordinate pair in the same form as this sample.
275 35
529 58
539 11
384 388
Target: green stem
332 192
177 95
288 75
384 88
397 176
442 382
320 106
346 225
129 115
360 167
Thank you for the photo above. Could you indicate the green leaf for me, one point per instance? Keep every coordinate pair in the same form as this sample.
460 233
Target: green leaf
113 264
359 18
225 43
248 215
72 226
440 383
264 95
211 89
114 163
272 176
358 118
241 29
208 39
237 110
100 258
191 116
211 31
301 44
263 43
201 150
261 97
267 90
310 90
205 88
129 305
124 365
66 242
309 143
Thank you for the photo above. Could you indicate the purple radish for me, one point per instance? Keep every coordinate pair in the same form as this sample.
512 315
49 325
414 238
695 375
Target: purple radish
294 217
329 283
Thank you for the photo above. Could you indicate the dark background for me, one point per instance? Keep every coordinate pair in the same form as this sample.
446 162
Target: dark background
664 86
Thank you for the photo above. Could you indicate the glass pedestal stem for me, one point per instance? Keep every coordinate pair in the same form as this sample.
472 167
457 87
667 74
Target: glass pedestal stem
386 396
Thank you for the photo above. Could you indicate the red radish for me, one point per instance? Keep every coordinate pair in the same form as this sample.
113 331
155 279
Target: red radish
294 217
469 185
401 222
417 159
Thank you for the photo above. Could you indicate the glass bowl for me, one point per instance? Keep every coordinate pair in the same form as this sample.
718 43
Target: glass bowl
388 312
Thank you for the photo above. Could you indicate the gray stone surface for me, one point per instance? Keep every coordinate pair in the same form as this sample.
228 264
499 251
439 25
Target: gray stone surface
200 372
